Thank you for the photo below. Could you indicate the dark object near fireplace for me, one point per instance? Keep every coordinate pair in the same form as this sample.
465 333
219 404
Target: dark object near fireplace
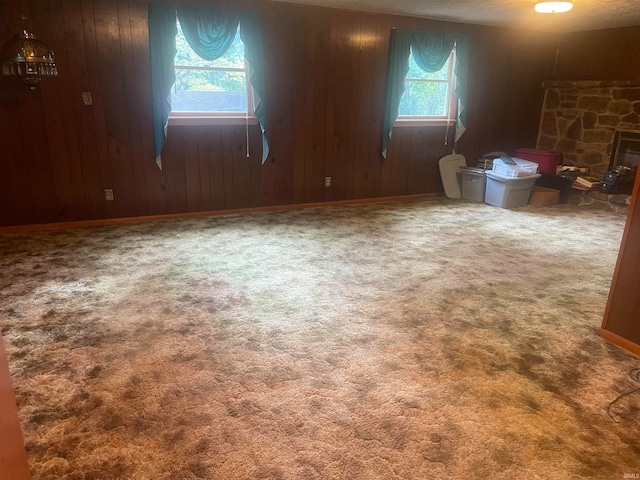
556 182
619 181
623 164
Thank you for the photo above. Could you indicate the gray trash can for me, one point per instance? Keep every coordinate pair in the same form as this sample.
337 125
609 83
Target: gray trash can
473 183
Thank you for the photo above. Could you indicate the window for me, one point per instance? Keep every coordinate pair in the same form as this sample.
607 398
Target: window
428 96
206 89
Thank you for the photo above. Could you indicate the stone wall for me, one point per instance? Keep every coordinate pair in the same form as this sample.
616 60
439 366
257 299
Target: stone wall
579 119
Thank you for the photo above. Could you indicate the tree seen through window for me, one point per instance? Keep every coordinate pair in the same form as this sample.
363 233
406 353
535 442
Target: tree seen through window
218 87
427 94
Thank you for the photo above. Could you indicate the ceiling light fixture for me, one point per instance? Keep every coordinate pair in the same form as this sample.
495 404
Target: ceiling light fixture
553 7
28 58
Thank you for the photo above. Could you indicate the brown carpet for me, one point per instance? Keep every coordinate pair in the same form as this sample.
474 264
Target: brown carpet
420 340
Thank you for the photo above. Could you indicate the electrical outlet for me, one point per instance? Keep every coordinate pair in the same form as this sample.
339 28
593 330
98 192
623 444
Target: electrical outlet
86 98
108 194
327 181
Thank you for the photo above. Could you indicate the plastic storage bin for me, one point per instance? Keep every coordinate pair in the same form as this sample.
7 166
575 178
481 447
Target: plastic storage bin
547 161
474 183
523 168
508 192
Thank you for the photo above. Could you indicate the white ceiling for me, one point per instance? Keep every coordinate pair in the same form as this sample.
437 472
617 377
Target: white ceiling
586 14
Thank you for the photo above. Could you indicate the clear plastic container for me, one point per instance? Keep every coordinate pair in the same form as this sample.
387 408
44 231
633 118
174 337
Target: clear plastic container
508 192
522 168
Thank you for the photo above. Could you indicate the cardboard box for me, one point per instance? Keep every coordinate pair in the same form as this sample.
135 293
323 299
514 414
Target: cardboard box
542 197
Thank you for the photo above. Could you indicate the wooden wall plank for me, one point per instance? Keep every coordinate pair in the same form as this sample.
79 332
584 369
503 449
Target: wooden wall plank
81 117
319 113
330 102
374 153
370 100
131 92
99 145
255 149
610 54
192 170
58 100
141 70
173 163
280 70
213 146
36 156
227 165
298 101
201 145
241 165
118 125
353 99
15 206
340 72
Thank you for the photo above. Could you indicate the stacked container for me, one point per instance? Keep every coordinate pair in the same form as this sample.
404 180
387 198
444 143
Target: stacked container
547 161
509 184
474 183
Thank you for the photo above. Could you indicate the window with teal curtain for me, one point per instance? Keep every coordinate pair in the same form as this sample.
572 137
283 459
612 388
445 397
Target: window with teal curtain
209 33
430 52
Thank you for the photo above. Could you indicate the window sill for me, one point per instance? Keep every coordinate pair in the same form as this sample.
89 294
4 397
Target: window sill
423 123
187 120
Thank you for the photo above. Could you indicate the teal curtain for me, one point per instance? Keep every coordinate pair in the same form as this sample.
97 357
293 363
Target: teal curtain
162 50
211 32
399 51
251 35
430 51
461 70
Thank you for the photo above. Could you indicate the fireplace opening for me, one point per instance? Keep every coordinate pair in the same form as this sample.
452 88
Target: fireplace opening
625 155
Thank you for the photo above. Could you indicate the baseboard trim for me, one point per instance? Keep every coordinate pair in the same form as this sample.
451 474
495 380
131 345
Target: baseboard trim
620 341
210 213
13 456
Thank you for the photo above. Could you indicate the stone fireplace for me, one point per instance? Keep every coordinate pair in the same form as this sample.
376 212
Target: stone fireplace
580 120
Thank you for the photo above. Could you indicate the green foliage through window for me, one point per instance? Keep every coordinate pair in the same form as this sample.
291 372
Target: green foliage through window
218 86
426 94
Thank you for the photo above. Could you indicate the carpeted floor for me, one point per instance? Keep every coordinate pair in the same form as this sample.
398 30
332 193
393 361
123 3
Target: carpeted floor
430 339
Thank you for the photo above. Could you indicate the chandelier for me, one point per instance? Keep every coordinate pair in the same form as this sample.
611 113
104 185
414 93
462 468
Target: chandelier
26 57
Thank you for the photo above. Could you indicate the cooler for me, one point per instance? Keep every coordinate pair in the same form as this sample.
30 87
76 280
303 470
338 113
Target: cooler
547 161
508 192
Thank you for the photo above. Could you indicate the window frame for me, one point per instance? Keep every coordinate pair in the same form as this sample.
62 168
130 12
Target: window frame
196 117
446 120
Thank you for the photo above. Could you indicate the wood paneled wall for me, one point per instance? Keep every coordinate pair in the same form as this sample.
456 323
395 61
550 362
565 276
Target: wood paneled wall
325 80
610 54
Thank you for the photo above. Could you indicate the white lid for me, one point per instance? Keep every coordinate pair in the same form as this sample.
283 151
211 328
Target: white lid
497 176
449 167
520 162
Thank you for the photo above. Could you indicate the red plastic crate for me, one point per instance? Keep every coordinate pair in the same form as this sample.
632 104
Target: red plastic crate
547 161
